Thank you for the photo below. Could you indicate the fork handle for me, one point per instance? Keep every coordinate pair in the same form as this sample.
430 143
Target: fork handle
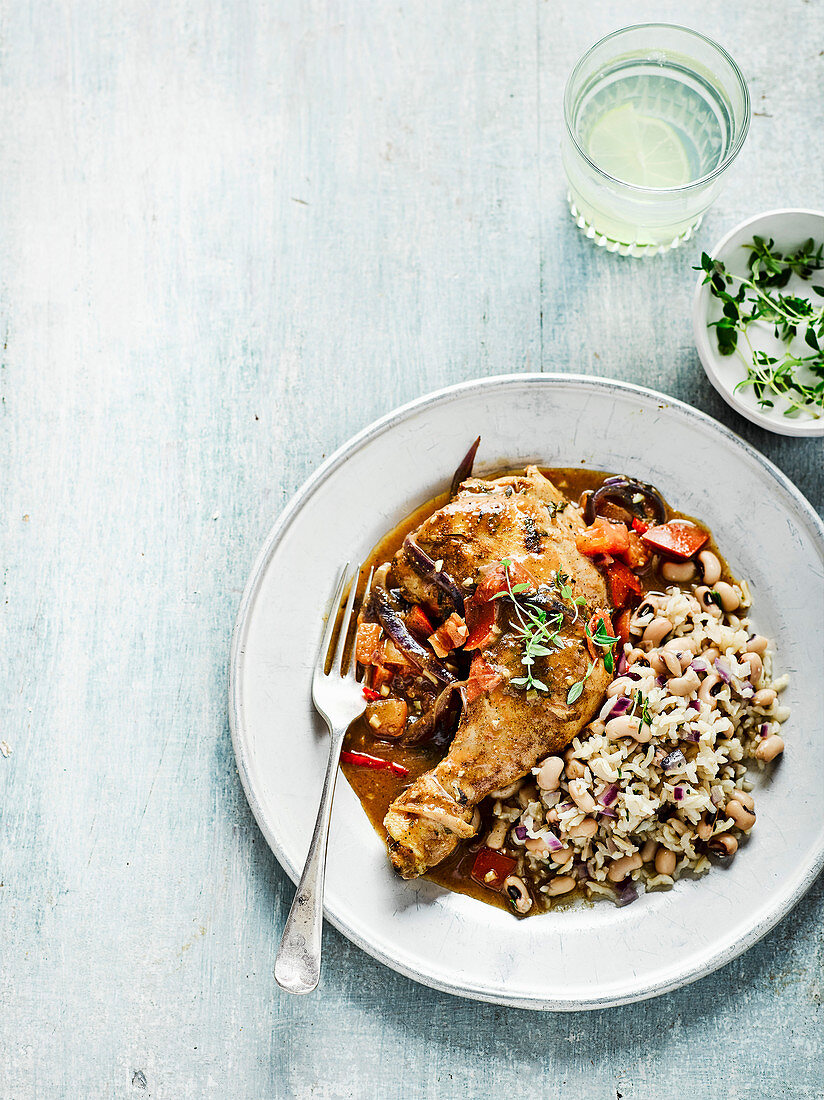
297 965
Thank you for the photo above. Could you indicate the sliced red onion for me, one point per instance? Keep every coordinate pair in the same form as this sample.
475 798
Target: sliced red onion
625 893
691 735
674 761
424 566
747 690
764 729
608 709
693 704
630 675
553 843
660 681
621 705
520 832
464 470
622 664
396 628
722 670
613 480
608 796
608 811
565 806
679 794
716 796
699 665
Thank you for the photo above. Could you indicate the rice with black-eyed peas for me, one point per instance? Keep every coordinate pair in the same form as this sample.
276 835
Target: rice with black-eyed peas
657 783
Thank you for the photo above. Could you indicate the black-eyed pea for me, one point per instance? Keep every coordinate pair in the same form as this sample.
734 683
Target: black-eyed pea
764 698
657 631
724 845
537 845
649 850
703 830
575 769
704 595
561 884
549 774
728 596
620 868
624 726
711 685
756 666
710 567
686 684
770 747
679 572
584 829
757 644
518 894
745 798
665 861
742 817
581 796
563 855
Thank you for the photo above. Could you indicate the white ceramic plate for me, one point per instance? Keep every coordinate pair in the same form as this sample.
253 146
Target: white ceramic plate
584 957
788 228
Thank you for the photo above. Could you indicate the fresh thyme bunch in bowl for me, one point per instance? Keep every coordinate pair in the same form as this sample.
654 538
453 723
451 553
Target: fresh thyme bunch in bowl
758 319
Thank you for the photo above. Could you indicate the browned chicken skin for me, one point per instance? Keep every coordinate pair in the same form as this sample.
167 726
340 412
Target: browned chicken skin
504 733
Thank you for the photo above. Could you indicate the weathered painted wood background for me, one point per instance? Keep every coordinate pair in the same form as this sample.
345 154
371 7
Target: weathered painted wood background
232 234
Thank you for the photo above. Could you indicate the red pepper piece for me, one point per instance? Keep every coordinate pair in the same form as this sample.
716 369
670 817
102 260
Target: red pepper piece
676 539
492 868
622 626
625 589
639 526
418 623
370 694
480 618
364 760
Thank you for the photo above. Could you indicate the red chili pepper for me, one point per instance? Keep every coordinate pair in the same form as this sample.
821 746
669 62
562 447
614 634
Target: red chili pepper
371 695
364 760
639 526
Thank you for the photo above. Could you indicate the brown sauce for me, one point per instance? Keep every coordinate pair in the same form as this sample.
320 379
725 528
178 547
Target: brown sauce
378 789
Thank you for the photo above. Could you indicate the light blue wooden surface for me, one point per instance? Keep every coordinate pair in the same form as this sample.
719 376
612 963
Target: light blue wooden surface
232 234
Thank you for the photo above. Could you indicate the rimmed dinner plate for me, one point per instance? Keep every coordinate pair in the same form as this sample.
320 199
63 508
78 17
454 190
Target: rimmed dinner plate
584 956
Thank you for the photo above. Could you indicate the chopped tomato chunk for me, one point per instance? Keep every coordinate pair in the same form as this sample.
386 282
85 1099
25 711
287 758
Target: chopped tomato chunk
593 626
450 635
625 589
482 679
495 580
637 553
491 868
367 643
639 526
676 539
603 537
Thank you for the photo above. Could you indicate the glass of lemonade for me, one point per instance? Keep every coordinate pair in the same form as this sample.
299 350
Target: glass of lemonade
655 115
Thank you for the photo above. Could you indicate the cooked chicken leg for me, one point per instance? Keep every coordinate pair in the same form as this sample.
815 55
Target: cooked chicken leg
505 731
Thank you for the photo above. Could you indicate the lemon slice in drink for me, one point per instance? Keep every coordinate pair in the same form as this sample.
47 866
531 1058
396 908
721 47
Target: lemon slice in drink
638 149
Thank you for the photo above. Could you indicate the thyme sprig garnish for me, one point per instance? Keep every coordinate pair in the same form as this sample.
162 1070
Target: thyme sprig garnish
758 298
538 632
605 641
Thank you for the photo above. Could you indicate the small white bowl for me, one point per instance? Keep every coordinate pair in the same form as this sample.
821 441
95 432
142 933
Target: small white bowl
788 228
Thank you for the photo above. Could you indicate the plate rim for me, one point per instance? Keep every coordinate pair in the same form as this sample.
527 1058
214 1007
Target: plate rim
778 425
280 526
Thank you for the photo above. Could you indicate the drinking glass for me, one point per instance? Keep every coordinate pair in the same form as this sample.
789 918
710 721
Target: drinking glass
655 115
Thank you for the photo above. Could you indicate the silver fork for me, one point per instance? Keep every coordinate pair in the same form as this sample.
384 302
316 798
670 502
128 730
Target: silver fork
338 697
